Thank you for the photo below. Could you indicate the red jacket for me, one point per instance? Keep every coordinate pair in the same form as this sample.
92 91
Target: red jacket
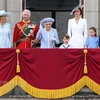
20 32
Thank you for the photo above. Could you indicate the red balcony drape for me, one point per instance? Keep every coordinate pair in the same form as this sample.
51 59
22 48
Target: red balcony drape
49 73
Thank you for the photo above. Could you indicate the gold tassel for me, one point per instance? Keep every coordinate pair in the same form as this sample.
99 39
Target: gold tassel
18 66
85 67
18 69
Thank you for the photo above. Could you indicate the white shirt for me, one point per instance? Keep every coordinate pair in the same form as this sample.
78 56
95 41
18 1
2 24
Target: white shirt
65 46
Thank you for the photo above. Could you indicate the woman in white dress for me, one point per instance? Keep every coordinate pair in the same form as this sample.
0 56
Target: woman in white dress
77 28
5 31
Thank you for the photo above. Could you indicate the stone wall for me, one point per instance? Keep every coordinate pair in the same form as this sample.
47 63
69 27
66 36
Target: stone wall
92 13
15 7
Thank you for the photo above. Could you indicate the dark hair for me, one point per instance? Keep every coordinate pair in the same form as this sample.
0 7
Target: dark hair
94 29
66 36
80 11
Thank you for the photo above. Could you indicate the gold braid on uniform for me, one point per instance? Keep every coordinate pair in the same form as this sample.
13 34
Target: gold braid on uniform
21 28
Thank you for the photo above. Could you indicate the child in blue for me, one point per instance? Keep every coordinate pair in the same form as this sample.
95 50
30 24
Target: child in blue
92 41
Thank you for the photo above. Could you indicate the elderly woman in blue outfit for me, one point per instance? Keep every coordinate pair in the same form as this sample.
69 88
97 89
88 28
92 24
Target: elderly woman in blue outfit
47 35
5 31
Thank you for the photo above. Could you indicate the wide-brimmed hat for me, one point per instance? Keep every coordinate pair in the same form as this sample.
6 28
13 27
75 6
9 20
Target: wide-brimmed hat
77 7
48 19
4 13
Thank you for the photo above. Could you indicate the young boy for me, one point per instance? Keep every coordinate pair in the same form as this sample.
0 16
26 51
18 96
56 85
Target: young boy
66 44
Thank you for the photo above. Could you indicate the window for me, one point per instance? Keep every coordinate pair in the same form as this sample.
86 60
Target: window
51 5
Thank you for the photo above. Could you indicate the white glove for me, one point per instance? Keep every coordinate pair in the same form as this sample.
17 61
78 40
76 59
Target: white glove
53 39
31 31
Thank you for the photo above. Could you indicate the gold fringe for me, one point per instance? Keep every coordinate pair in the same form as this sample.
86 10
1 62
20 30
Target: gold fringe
8 86
59 93
92 85
51 94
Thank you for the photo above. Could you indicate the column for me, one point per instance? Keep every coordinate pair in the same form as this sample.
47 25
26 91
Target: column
3 4
92 13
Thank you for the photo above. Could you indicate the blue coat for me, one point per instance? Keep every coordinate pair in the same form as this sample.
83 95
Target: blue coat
48 39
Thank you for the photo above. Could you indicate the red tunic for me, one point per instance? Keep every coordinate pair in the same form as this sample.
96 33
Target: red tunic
19 38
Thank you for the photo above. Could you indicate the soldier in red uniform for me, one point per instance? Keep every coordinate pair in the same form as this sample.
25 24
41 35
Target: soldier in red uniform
24 31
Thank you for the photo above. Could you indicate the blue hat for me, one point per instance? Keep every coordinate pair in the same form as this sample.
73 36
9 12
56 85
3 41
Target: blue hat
48 19
3 13
77 7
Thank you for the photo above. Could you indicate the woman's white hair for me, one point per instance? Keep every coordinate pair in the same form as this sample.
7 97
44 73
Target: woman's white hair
26 10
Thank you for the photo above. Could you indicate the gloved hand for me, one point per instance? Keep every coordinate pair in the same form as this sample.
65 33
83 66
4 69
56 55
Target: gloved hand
31 33
53 40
